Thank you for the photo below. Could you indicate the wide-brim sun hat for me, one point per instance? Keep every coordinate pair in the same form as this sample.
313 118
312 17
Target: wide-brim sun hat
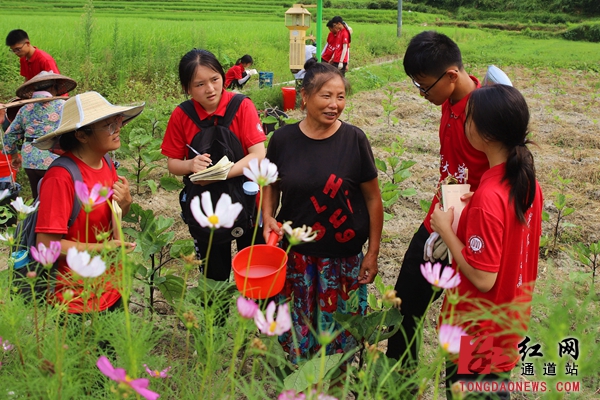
63 84
85 109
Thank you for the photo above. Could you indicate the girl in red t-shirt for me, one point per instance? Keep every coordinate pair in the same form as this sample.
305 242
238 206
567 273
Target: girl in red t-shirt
90 127
201 76
237 76
496 246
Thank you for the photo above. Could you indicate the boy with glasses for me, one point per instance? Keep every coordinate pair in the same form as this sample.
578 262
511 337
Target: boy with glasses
434 64
33 60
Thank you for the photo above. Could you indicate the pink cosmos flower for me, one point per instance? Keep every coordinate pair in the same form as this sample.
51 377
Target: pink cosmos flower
292 395
449 336
89 200
118 375
46 256
158 374
246 308
268 325
5 345
432 274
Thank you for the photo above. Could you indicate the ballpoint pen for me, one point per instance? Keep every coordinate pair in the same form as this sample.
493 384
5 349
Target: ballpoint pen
196 152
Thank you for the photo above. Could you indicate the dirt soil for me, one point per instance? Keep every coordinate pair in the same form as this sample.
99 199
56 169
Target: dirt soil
565 109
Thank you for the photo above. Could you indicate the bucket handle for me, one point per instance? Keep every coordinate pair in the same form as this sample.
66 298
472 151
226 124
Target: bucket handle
274 237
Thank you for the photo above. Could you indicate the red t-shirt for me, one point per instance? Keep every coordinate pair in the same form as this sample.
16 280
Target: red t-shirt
56 203
181 130
39 61
456 153
329 48
496 241
341 38
233 73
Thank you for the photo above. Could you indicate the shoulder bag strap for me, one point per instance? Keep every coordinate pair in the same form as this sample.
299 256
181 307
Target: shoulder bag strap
70 165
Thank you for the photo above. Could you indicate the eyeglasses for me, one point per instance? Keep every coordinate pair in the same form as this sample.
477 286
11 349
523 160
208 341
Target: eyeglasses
17 49
113 126
426 91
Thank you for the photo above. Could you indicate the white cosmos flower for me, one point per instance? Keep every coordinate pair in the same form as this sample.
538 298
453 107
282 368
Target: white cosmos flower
8 238
298 235
222 217
22 207
4 194
263 174
82 264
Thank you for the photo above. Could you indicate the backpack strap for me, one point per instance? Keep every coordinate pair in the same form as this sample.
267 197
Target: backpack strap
189 110
70 165
232 108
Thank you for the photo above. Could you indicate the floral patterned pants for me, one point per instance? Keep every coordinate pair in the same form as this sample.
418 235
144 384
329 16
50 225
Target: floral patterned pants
317 288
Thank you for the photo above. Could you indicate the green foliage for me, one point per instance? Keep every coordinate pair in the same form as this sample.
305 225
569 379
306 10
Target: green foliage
143 148
562 211
588 256
389 104
396 171
585 32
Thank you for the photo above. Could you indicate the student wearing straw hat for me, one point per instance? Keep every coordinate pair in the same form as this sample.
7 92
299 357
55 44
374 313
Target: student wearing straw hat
89 128
34 121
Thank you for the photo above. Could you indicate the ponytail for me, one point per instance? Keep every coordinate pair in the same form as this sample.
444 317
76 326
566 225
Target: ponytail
245 59
500 114
520 175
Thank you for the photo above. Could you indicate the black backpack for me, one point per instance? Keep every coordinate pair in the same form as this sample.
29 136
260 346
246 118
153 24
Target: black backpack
216 139
25 231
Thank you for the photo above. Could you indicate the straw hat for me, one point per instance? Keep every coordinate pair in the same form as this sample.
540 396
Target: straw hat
83 110
44 79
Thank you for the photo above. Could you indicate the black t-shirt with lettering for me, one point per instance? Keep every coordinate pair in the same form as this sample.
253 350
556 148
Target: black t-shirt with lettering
320 187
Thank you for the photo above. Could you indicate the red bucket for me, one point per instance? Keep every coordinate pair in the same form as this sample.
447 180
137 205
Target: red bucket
289 98
264 276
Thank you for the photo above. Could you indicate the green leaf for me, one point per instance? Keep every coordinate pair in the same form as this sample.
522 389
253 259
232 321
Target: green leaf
545 216
310 372
171 287
182 247
372 301
387 216
143 271
401 175
568 211
381 165
408 192
366 327
425 205
170 183
152 185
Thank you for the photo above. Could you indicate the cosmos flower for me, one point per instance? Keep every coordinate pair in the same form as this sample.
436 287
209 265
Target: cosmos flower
46 256
158 374
269 326
223 216
263 174
449 336
246 308
298 235
445 281
89 200
85 266
118 375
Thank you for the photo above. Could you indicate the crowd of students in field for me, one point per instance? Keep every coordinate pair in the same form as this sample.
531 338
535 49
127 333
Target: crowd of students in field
327 180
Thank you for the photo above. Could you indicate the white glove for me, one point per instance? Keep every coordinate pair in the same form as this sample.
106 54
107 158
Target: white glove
435 249
341 65
252 72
